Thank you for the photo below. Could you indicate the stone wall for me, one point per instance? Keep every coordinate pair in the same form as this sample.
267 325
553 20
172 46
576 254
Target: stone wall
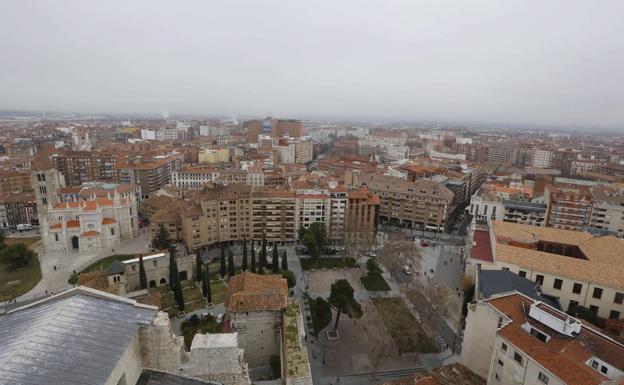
258 335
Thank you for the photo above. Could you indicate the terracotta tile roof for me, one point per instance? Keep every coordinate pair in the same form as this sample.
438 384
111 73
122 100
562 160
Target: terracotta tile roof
252 292
108 221
73 223
564 356
483 248
41 162
90 234
605 255
95 279
57 226
67 205
561 365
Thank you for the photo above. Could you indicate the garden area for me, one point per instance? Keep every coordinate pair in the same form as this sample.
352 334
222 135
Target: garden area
327 263
19 267
193 299
372 280
196 324
406 332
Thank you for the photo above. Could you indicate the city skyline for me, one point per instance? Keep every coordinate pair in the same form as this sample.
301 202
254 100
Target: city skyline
448 61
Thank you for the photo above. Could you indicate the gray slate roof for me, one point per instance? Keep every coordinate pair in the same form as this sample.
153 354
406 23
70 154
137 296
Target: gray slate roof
116 268
76 338
493 282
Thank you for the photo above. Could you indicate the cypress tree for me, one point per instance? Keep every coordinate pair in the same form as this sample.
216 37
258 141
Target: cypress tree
198 267
172 273
284 261
244 265
253 257
263 256
222 270
231 268
275 260
142 275
208 293
178 290
205 283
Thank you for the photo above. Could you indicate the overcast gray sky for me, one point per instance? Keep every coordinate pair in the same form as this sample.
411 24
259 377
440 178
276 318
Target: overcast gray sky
518 61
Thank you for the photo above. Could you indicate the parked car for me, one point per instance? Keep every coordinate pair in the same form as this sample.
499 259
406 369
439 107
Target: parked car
24 227
407 270
220 318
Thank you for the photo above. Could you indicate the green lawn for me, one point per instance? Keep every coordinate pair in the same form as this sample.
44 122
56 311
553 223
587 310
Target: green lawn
14 283
105 262
406 332
374 282
326 263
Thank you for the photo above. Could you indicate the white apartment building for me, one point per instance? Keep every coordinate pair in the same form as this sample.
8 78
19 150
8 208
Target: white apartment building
304 150
608 209
193 177
313 208
540 158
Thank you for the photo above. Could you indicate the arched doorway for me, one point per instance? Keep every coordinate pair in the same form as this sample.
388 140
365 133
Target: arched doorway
75 242
152 284
163 281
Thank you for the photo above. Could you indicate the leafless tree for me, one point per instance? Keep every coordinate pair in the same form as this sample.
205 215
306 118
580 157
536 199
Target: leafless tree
397 250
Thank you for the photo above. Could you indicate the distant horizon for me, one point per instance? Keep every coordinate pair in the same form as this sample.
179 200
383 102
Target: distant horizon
487 125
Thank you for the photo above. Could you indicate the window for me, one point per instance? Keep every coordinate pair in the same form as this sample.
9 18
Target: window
505 269
504 347
614 314
542 377
112 231
557 284
539 335
522 273
595 364
604 369
500 363
133 267
539 279
517 357
597 293
496 377
594 309
577 288
56 238
155 263
619 298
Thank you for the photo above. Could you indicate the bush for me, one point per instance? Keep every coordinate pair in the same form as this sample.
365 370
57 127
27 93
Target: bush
17 255
372 266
